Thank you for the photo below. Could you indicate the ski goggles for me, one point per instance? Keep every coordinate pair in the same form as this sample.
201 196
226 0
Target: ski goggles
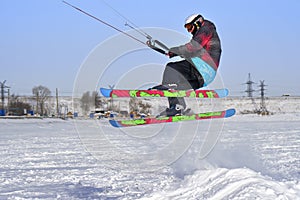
189 27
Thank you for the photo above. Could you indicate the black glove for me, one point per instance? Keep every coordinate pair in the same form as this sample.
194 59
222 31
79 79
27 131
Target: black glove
172 51
171 54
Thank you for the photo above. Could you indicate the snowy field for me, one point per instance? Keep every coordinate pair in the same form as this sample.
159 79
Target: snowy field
249 157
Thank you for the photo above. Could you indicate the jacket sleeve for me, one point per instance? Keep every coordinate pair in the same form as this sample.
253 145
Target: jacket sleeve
188 49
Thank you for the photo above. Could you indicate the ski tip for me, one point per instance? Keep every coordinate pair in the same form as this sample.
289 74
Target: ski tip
105 92
222 92
230 112
115 123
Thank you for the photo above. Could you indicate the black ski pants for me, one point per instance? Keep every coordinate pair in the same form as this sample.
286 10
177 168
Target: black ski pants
185 76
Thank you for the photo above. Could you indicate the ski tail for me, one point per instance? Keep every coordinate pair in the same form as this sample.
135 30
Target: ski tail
222 92
229 113
105 92
116 124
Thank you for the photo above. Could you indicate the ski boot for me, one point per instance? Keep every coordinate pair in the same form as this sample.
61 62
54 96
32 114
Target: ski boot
174 110
164 87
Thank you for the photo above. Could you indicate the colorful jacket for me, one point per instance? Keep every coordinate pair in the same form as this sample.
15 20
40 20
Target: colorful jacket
204 44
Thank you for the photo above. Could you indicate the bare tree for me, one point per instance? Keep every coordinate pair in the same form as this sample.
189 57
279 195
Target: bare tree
138 106
41 94
96 98
86 102
144 107
17 105
133 104
89 101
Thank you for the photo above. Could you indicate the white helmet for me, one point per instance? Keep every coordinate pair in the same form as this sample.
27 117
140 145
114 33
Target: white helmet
192 19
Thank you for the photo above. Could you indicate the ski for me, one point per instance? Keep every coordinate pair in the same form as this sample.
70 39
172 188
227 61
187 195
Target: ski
179 118
217 93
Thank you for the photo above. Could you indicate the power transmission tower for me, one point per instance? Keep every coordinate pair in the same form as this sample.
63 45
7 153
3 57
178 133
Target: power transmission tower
57 106
249 84
3 91
111 108
250 91
263 109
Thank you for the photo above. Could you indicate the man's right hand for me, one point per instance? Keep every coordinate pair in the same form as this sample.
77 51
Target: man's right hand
171 54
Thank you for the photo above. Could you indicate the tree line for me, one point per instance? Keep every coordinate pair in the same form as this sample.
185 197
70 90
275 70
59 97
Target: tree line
18 106
37 103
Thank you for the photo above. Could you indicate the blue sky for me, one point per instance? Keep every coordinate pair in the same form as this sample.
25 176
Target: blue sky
45 42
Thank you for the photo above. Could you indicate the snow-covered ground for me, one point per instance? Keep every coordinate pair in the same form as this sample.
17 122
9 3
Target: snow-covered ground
247 157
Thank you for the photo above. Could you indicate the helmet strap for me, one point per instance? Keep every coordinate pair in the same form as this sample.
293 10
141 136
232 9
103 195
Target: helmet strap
196 28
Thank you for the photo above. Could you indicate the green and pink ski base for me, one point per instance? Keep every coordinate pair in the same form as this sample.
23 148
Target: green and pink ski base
179 118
